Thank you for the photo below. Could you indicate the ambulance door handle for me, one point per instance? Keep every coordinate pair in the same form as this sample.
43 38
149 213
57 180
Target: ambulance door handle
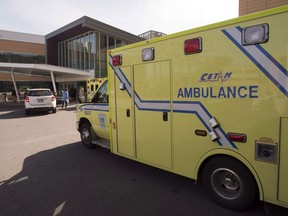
128 112
165 116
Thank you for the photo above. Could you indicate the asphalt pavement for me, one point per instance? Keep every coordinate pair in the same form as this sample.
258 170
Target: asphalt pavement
46 171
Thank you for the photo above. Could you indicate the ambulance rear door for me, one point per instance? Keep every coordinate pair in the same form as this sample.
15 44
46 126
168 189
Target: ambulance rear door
152 89
283 175
124 112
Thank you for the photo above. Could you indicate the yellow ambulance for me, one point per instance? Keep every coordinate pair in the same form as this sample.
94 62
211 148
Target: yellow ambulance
208 103
92 86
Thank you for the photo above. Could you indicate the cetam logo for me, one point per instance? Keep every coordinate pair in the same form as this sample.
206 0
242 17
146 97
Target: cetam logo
215 77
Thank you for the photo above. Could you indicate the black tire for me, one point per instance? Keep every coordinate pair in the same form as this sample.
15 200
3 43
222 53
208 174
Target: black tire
27 112
86 136
229 183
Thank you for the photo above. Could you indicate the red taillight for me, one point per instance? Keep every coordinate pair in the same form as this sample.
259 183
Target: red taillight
237 137
53 98
117 60
193 46
27 99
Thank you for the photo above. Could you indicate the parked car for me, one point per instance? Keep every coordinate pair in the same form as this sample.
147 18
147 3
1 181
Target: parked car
40 100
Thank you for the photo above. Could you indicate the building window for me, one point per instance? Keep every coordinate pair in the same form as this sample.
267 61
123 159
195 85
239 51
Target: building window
78 52
87 52
111 43
21 58
118 43
102 72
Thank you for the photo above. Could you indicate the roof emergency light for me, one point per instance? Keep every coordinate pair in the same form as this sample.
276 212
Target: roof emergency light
255 34
117 60
148 54
192 46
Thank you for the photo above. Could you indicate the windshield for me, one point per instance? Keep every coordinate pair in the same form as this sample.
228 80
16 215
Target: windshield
102 94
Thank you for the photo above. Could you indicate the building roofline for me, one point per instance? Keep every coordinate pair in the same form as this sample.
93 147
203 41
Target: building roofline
96 25
65 28
21 37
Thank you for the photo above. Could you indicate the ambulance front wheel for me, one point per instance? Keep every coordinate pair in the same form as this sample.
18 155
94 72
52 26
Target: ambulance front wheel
86 135
229 183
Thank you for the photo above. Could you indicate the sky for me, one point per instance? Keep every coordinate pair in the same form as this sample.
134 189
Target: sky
42 17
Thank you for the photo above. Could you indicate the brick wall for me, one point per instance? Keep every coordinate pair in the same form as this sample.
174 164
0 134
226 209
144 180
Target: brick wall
22 47
251 6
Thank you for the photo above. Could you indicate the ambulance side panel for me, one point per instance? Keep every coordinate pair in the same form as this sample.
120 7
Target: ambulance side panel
161 109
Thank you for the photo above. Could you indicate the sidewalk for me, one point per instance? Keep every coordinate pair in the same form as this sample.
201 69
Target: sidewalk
71 105
20 105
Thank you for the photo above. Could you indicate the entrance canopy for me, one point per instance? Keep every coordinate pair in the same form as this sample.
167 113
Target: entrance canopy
40 72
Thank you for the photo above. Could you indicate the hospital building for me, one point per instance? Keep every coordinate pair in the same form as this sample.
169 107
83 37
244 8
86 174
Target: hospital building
73 53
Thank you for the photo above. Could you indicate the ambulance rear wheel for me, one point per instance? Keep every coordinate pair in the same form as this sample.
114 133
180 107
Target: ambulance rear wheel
86 135
229 183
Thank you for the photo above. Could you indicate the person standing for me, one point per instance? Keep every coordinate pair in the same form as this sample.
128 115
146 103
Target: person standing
65 98
14 98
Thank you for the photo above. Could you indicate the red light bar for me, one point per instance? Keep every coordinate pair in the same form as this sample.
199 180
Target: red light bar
237 137
193 46
117 60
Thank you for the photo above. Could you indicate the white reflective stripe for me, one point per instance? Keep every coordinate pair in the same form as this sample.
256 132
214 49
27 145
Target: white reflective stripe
121 76
270 67
123 79
192 107
141 105
147 105
95 107
204 116
223 139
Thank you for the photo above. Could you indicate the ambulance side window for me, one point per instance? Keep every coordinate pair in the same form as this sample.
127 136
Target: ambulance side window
102 94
